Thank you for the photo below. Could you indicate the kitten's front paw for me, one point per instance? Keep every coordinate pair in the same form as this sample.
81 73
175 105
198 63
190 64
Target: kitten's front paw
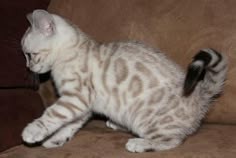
55 143
59 139
34 133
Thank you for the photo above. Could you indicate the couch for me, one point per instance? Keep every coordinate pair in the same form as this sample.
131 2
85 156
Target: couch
177 27
20 102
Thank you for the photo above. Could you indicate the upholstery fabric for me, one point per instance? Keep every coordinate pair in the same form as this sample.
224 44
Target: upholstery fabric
177 27
20 103
18 108
97 141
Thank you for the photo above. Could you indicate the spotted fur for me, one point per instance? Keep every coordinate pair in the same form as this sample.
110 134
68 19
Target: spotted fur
137 87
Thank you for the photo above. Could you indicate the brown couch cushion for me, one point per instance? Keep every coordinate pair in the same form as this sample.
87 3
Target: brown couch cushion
18 108
19 103
179 28
97 141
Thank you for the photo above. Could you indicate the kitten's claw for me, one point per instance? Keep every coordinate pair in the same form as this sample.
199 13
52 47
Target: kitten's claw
54 143
60 138
33 133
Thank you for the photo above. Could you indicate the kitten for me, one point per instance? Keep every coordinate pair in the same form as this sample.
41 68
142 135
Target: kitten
137 87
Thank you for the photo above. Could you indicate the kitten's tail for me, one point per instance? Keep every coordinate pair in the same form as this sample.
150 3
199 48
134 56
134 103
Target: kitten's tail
207 70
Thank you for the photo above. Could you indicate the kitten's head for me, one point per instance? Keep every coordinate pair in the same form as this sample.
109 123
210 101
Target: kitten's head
47 33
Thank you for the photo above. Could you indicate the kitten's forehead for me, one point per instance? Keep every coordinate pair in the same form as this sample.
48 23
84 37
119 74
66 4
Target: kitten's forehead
32 41
23 39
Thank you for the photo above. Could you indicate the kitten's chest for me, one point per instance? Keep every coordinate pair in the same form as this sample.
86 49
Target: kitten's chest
67 77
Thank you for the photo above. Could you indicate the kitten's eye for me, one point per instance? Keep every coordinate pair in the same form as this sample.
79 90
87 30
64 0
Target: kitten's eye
28 55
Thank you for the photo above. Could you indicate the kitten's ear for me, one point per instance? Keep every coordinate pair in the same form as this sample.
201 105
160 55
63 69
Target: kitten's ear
43 21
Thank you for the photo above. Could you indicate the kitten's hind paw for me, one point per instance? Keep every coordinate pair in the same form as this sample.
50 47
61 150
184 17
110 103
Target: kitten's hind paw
144 145
111 125
138 145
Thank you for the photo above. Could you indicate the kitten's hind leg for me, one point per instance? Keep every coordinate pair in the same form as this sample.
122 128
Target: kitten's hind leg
144 145
65 134
114 126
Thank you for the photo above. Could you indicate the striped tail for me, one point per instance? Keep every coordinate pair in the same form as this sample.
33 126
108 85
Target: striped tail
208 70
